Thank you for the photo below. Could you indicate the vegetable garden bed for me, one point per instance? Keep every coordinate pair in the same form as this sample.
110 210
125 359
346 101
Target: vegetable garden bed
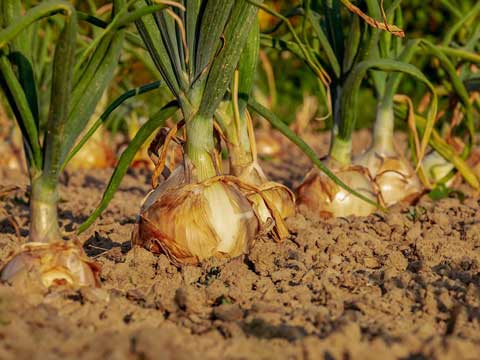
239 179
384 286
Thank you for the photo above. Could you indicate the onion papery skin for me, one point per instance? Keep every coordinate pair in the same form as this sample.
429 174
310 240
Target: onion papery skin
280 195
320 196
393 175
11 158
95 154
274 202
191 222
436 167
51 264
268 143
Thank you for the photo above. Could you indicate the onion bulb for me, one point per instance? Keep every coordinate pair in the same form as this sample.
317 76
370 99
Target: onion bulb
95 154
191 221
436 167
394 176
13 156
319 195
272 201
50 264
268 143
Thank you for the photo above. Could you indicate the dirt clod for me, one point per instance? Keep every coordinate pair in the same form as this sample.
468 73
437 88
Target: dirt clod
401 285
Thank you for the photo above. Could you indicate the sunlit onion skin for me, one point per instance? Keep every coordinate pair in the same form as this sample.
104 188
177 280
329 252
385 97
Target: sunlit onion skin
436 167
271 201
320 196
269 144
50 264
394 176
280 195
11 149
190 222
272 204
95 154
10 159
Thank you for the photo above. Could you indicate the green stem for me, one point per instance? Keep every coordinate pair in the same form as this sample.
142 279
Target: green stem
341 147
285 130
43 210
341 150
200 146
460 53
34 14
384 128
239 148
238 143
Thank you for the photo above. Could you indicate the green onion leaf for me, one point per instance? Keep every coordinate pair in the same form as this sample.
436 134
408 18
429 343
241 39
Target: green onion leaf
214 16
220 75
62 78
348 109
285 130
127 157
111 108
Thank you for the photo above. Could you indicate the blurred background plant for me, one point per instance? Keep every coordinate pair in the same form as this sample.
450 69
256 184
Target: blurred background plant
76 79
286 86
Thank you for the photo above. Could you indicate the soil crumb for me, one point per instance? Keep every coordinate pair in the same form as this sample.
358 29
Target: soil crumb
398 285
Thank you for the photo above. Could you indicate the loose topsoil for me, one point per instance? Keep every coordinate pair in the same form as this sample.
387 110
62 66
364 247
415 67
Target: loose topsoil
398 285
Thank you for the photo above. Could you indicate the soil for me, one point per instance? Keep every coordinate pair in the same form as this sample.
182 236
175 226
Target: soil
398 285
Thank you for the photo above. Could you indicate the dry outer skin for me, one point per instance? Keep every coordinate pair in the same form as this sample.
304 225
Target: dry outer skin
402 285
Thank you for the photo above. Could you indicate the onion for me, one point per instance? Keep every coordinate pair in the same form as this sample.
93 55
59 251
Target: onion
191 221
95 154
50 264
319 195
394 176
268 143
272 202
436 167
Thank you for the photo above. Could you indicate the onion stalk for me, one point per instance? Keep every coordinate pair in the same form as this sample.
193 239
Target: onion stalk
47 259
389 175
458 70
198 212
335 79
318 194
273 202
97 152
392 173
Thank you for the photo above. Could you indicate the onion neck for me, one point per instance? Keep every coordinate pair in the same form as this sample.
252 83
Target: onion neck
341 150
200 146
239 147
383 129
238 143
340 147
43 210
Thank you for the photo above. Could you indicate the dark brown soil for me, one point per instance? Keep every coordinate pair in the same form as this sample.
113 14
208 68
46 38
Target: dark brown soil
400 285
